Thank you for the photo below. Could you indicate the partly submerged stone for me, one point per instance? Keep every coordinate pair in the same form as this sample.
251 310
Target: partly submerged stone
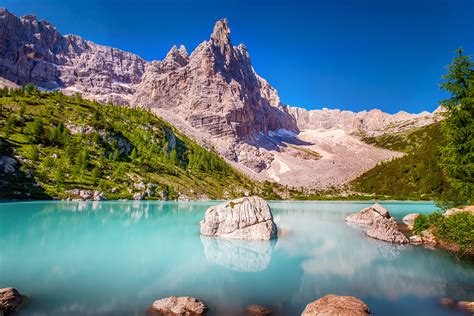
368 215
173 305
380 224
386 229
244 218
257 310
461 305
337 305
10 299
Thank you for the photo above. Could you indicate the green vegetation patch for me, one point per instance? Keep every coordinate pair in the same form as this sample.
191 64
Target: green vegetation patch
70 143
457 229
416 175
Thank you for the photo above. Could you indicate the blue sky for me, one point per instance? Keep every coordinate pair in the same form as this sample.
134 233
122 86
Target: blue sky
352 55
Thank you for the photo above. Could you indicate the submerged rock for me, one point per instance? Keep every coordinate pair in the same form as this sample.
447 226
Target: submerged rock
178 306
368 215
337 305
10 299
454 304
238 255
244 218
387 230
257 310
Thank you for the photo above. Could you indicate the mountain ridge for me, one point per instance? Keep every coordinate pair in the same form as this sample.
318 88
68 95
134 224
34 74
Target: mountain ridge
213 95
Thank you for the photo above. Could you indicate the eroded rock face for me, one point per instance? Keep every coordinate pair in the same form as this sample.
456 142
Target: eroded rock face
178 306
386 229
10 299
368 215
337 305
245 218
372 123
217 92
34 51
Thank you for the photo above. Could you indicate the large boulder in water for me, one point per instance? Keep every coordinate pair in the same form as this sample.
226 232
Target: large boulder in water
177 306
337 305
387 230
368 215
10 299
380 224
244 218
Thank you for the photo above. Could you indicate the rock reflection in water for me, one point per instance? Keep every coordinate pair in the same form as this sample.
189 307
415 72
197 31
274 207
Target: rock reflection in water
238 255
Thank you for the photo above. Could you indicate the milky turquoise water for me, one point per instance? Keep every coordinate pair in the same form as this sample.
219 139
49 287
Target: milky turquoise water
116 258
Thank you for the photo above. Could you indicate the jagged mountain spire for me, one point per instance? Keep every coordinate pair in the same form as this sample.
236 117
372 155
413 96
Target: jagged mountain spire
220 38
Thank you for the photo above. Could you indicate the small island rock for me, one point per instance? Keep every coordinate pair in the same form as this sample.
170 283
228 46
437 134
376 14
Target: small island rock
337 305
177 306
387 230
368 215
380 224
245 218
10 299
257 310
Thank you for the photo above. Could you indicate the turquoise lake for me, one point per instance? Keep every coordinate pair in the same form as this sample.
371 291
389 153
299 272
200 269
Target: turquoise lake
116 258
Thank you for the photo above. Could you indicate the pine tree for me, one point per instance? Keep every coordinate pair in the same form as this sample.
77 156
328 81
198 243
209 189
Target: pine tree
37 130
133 155
34 153
96 174
10 125
457 156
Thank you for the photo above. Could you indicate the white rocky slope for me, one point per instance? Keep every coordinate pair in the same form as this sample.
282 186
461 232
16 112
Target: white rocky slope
213 95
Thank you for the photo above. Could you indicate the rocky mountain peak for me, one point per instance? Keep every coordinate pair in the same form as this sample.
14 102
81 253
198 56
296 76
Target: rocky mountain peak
221 33
220 39
176 57
29 17
183 52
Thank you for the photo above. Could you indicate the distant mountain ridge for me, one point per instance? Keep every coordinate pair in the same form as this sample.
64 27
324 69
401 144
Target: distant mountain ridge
213 95
373 122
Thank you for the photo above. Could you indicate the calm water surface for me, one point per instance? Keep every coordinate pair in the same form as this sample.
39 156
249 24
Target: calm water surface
116 258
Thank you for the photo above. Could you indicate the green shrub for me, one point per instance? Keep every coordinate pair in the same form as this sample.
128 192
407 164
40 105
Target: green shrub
455 229
458 229
424 222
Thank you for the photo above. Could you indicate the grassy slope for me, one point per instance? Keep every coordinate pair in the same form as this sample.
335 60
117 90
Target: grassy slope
413 176
62 160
